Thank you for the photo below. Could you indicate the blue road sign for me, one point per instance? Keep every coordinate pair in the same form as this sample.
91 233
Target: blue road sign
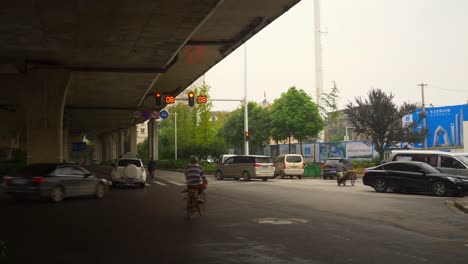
163 114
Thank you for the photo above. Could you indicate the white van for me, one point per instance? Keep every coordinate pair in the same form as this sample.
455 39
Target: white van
289 165
446 162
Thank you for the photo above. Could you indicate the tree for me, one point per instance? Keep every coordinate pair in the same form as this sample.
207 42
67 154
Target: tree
259 123
380 120
295 115
334 127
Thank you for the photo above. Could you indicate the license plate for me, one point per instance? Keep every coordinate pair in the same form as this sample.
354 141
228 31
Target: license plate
266 166
19 181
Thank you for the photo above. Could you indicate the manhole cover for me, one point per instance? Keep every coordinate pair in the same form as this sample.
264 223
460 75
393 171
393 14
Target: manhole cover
280 221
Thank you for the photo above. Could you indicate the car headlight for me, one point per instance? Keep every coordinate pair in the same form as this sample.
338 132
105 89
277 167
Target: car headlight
454 180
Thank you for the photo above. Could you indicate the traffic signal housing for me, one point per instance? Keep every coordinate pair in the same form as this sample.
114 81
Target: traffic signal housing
158 99
191 99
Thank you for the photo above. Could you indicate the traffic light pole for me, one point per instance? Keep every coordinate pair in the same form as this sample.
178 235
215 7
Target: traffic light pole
246 110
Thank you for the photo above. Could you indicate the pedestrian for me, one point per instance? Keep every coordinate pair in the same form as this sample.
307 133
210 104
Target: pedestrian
151 167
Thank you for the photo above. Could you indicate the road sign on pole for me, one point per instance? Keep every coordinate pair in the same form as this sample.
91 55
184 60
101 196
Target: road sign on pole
154 114
163 114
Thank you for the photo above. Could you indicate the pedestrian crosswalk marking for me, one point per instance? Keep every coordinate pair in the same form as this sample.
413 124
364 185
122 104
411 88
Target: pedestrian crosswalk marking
160 183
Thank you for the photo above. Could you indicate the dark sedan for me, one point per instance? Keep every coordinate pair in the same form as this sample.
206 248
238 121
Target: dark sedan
413 176
54 182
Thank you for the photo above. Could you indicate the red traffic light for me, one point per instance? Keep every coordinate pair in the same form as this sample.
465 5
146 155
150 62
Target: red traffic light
158 99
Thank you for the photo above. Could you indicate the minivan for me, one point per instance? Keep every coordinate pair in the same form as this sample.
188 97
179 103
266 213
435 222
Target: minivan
289 165
446 162
246 167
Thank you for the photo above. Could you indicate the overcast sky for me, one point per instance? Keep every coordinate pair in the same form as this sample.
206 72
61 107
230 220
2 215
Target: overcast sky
387 44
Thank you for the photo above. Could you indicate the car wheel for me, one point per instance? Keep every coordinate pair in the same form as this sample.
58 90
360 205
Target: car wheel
439 189
142 185
380 185
265 179
300 177
57 194
236 179
100 191
219 175
246 176
290 176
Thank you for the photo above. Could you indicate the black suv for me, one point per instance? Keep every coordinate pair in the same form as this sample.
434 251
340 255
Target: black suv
329 168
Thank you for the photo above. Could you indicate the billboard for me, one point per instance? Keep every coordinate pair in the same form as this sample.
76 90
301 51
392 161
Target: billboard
444 124
359 150
332 149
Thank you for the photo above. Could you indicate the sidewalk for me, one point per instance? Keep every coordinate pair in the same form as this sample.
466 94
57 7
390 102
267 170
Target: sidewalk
462 204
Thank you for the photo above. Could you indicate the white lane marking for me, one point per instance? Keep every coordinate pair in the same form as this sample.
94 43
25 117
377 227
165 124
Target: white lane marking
176 183
160 183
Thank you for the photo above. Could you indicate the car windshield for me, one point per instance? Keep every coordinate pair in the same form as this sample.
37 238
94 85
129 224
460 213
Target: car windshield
126 162
332 161
464 159
263 160
36 170
293 159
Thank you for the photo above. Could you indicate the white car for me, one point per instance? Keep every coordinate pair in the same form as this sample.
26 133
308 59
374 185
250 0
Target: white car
129 170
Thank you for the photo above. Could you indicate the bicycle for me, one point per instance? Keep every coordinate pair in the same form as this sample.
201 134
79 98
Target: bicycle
196 202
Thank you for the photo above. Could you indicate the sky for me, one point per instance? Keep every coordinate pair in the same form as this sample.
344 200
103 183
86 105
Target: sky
392 45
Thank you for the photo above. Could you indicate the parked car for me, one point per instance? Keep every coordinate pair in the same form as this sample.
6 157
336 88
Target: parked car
129 170
289 165
414 176
446 162
54 181
329 168
246 167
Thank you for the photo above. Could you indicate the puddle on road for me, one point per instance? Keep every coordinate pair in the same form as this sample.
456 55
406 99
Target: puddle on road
280 221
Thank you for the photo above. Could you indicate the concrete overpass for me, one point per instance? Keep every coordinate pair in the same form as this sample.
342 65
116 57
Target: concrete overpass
69 68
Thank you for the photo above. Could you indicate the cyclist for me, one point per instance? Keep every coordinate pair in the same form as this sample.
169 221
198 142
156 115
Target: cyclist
195 176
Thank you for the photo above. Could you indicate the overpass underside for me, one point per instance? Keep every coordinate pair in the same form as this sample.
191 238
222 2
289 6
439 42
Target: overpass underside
75 68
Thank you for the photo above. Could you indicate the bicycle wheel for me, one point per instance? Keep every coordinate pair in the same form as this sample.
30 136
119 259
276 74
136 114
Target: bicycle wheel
201 205
191 203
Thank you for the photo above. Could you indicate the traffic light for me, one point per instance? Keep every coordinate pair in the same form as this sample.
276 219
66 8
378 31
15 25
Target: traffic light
158 98
247 135
191 99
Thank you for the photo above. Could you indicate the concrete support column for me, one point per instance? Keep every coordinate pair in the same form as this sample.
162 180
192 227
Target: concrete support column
44 101
133 139
153 139
66 145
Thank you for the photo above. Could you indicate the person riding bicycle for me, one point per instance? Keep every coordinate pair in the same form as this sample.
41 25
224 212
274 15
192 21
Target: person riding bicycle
195 176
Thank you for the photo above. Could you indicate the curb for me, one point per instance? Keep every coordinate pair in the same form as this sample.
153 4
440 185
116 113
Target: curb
461 207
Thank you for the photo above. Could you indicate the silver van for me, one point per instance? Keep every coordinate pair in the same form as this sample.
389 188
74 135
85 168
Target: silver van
446 162
290 165
246 167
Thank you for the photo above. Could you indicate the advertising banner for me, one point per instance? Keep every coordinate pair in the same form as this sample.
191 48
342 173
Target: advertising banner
444 124
358 150
310 151
332 149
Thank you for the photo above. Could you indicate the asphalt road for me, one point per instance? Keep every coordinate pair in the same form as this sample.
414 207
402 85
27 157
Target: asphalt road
279 221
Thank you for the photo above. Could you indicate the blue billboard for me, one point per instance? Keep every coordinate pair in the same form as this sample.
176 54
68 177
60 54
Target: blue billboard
444 124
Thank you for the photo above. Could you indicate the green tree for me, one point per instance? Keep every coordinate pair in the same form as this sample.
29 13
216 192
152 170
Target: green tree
295 115
380 120
259 122
333 118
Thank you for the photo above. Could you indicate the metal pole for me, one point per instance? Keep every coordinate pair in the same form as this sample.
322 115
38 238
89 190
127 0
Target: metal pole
246 110
424 112
175 135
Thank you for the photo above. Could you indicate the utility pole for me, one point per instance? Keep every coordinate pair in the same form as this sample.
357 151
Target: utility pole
423 112
246 108
175 135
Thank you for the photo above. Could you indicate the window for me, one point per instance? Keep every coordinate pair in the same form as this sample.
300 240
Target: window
294 159
126 162
230 161
268 160
449 162
142 130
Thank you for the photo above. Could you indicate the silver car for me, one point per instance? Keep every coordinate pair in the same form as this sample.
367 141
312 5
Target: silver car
54 182
246 167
